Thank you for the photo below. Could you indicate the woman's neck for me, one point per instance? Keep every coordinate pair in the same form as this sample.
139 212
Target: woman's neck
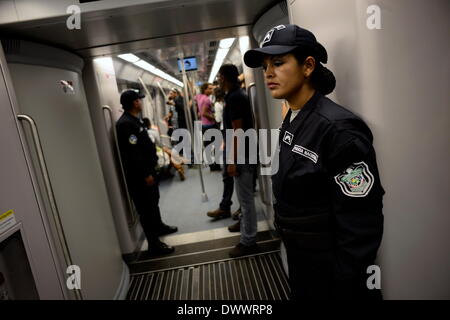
298 100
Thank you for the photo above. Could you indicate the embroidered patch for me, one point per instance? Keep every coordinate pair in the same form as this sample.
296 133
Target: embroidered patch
288 137
268 37
133 139
356 181
311 155
269 34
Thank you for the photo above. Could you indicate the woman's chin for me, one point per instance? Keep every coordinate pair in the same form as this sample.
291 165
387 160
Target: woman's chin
276 94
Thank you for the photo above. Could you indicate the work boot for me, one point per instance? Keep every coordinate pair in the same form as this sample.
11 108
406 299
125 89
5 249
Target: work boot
165 229
243 250
219 213
236 215
235 227
159 248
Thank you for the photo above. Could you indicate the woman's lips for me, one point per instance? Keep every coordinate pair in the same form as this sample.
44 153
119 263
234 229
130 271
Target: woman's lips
272 85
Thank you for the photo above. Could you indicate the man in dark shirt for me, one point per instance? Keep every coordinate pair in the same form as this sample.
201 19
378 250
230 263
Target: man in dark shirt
238 115
178 102
139 159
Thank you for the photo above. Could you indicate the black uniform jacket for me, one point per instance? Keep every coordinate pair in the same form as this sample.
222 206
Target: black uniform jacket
137 151
327 190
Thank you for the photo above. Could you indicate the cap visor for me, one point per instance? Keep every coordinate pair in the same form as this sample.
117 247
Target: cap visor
141 96
254 58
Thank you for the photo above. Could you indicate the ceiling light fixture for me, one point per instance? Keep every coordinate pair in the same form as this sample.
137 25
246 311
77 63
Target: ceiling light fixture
150 68
222 52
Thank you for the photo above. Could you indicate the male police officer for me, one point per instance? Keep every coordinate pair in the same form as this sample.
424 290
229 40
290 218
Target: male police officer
139 159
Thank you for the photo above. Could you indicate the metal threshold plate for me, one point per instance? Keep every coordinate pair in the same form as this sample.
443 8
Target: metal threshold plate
257 277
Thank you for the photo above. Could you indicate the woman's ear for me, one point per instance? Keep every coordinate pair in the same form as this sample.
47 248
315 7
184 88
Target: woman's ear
308 66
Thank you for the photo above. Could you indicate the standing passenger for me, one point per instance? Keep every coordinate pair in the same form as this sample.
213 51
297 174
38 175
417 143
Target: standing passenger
224 210
328 195
206 114
177 101
238 115
139 159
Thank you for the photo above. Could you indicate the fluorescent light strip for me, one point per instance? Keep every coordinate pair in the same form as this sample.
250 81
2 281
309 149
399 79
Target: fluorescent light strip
226 43
222 52
148 67
129 57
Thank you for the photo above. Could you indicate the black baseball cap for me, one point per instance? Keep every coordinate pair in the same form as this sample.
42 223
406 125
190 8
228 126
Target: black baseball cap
127 97
283 39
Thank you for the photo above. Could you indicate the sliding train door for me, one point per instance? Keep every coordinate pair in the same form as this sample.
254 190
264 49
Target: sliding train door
50 92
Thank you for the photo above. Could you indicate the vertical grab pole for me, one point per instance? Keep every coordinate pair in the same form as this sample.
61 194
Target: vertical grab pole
186 93
155 111
162 90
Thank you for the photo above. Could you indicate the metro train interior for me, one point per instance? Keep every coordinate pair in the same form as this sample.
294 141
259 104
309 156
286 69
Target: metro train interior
65 208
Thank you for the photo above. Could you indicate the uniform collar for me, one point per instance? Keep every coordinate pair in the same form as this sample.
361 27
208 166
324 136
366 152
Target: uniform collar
293 126
129 115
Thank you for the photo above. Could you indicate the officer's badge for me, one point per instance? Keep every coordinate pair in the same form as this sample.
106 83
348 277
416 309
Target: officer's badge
133 139
288 137
356 181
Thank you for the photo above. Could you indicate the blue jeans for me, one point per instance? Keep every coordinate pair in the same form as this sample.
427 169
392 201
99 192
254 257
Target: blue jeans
228 184
244 191
228 187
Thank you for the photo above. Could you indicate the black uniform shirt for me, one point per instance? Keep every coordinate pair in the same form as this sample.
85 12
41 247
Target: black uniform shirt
179 107
327 165
137 151
237 106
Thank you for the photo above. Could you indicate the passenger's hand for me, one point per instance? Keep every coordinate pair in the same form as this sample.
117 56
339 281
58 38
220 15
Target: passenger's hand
150 181
232 170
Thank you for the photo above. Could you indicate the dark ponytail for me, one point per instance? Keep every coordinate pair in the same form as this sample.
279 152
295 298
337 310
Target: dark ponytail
322 79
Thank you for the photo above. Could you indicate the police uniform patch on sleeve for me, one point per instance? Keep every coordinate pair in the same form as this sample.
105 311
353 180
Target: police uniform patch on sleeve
356 181
133 139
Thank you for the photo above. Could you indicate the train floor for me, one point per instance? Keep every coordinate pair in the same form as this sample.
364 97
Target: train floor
200 268
204 271
182 206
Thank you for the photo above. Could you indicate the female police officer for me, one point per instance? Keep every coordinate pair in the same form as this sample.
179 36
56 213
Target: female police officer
328 195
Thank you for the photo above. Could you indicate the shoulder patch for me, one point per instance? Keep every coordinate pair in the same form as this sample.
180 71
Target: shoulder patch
133 139
288 137
356 181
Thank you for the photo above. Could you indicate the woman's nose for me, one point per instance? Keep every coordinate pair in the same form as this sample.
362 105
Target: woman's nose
268 73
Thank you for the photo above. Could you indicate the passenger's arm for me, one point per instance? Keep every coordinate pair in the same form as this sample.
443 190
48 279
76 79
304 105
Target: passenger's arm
231 168
206 112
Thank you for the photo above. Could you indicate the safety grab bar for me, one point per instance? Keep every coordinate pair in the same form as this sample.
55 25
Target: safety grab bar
51 196
116 145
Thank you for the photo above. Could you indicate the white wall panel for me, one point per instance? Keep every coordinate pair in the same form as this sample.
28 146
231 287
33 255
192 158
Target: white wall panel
397 80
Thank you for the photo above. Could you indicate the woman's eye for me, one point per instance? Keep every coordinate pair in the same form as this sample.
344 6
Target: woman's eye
278 63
